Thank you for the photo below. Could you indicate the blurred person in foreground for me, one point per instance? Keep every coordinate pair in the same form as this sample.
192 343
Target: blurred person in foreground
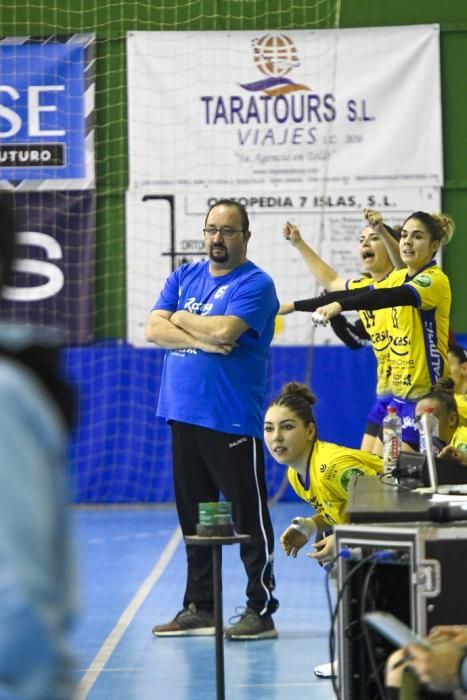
419 672
36 601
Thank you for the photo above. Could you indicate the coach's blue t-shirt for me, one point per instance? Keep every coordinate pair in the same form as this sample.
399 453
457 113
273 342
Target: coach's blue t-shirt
222 392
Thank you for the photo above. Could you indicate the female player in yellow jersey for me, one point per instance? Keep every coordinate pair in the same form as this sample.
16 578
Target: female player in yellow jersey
379 254
417 302
441 399
318 471
457 358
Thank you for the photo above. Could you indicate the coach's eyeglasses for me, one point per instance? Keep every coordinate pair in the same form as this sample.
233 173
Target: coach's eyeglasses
225 231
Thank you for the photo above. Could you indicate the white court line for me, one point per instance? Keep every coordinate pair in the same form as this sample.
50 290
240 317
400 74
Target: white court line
108 647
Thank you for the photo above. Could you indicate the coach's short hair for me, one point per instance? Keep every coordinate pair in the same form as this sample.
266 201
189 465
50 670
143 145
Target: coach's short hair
244 220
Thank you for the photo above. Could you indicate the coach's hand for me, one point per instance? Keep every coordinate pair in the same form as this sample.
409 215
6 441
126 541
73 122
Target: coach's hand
218 348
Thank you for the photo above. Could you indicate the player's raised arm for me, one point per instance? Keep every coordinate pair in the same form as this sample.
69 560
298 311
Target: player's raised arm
375 220
321 271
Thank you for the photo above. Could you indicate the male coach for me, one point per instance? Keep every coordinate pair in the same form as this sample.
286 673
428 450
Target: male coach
216 320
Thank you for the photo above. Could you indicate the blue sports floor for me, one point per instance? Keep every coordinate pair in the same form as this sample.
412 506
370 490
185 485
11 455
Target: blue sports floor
131 575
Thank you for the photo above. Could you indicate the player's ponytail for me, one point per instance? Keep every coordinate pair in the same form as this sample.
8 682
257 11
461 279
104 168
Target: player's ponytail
446 226
440 226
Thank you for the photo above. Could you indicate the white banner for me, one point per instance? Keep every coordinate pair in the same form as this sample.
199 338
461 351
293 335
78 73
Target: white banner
292 110
311 126
165 231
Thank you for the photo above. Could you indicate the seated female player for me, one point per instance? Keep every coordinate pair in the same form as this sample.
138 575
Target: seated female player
319 472
441 399
457 359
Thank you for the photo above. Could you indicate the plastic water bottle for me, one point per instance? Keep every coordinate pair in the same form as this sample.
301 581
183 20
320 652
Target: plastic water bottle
392 439
431 422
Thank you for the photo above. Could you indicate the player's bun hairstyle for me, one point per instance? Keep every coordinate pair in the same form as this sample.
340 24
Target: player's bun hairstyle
443 393
459 352
445 384
440 226
299 399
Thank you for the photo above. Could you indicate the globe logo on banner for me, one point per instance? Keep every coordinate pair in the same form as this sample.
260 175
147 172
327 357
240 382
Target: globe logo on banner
275 57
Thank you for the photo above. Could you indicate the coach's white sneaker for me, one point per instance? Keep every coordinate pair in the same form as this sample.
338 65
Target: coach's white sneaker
326 670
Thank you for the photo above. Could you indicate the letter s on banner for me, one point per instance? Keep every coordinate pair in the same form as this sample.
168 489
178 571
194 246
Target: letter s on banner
53 273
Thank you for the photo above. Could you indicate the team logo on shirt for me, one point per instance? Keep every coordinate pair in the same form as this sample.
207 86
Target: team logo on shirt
238 442
221 291
407 380
197 307
346 476
409 422
396 343
315 503
423 280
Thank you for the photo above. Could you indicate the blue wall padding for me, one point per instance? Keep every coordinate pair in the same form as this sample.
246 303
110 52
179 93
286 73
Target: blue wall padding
120 451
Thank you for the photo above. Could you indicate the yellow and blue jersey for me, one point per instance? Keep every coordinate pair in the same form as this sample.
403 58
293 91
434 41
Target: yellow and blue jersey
417 336
461 401
375 326
459 439
330 470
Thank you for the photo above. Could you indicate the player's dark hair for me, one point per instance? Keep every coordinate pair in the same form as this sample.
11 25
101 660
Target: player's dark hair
440 226
299 399
244 220
459 352
443 393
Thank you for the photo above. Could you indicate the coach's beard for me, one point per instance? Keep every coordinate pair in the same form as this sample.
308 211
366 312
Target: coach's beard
218 253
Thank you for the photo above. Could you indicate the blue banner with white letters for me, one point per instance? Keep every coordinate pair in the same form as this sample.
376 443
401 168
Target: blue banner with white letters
53 277
46 112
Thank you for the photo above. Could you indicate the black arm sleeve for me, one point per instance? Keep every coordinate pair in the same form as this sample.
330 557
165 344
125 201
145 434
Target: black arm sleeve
312 304
353 335
360 330
381 299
